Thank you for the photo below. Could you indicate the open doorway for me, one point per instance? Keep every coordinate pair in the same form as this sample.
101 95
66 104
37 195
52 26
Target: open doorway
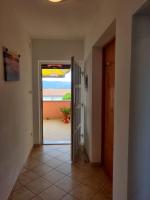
56 103
55 77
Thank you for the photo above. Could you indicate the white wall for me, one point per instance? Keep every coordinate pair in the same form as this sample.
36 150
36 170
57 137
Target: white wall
50 50
15 102
120 11
139 143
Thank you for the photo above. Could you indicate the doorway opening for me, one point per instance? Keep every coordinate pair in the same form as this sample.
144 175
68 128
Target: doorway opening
64 76
56 103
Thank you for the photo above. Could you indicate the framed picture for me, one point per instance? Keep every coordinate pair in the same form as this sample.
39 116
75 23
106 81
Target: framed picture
11 65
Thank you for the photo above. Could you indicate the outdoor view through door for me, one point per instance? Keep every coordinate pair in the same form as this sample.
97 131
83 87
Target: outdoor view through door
56 87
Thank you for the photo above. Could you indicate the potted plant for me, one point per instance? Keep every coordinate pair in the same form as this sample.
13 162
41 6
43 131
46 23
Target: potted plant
66 112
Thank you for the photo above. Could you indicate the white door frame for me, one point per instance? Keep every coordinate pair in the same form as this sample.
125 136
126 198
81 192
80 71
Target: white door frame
40 110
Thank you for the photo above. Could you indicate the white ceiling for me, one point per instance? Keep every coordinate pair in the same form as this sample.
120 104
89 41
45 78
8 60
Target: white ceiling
70 19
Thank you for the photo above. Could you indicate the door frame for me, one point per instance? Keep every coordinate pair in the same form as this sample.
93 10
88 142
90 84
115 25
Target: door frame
96 82
40 95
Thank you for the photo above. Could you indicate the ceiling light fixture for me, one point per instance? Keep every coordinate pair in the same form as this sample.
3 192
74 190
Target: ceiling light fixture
55 1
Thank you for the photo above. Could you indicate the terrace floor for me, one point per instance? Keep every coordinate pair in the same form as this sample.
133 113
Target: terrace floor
56 132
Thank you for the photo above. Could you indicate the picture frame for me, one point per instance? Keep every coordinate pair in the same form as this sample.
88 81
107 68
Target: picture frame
11 65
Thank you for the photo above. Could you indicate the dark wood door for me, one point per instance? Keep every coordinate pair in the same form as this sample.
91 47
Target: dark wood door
108 107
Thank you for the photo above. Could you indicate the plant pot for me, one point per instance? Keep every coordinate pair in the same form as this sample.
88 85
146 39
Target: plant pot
66 119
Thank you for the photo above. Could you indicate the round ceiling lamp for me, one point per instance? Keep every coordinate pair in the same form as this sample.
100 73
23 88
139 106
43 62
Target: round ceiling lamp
55 1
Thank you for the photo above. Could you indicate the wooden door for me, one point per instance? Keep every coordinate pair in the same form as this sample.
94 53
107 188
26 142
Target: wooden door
76 108
108 107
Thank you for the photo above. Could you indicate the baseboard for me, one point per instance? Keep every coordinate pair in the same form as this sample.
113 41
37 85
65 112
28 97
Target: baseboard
37 145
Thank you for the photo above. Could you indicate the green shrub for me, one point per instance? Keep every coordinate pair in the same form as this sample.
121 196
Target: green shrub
66 111
67 96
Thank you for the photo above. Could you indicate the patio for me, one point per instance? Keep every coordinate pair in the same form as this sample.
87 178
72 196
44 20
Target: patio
55 131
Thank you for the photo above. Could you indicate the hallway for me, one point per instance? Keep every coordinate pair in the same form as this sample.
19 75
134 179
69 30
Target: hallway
49 175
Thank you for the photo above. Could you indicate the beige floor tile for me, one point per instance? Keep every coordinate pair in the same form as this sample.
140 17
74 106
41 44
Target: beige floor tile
63 157
38 151
93 182
27 177
101 196
69 197
64 150
54 176
54 147
37 198
107 190
22 194
32 163
52 193
83 192
54 163
35 154
42 169
43 158
65 168
100 174
54 153
78 175
38 186
67 184
49 175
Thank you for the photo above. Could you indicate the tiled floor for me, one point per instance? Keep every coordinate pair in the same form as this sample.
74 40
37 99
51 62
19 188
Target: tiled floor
56 132
49 175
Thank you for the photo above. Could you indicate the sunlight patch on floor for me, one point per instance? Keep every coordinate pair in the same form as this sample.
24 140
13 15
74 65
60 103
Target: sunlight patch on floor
56 132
